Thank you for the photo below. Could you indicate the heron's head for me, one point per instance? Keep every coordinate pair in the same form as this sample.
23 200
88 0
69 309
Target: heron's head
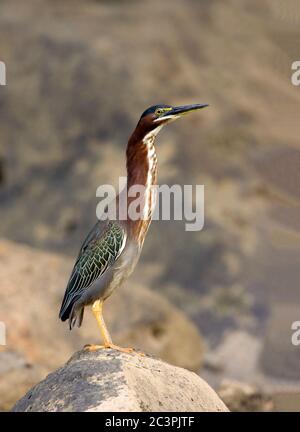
155 117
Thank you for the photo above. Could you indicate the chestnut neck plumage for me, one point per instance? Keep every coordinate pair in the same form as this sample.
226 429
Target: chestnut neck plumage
141 170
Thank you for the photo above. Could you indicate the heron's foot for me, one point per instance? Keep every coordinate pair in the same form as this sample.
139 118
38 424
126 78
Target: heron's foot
118 348
124 350
92 347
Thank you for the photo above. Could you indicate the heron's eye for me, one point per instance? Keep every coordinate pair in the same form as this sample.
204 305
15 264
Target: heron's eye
159 111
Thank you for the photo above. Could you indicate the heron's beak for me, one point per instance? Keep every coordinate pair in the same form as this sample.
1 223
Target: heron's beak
177 112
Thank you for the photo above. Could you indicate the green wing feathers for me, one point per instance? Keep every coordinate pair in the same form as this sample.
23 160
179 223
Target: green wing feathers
99 255
100 250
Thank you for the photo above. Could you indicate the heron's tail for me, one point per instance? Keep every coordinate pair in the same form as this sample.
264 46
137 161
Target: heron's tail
73 312
76 315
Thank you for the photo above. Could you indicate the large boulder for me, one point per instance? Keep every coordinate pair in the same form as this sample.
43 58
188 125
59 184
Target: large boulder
107 380
243 397
32 286
16 377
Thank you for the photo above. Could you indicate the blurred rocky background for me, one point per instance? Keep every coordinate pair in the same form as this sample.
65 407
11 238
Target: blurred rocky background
79 73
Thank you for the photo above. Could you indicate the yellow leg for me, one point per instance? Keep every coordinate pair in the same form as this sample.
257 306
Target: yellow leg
97 311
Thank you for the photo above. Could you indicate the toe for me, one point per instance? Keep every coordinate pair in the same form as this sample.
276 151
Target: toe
92 348
121 349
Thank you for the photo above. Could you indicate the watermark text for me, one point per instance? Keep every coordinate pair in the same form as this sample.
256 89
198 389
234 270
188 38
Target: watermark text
2 73
2 333
295 78
296 335
163 202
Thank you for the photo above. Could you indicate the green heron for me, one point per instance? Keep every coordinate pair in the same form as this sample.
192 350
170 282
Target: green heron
111 250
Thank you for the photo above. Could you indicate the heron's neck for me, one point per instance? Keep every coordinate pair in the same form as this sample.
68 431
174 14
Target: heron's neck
141 161
142 172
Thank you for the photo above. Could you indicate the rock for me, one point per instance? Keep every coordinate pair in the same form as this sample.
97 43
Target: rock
16 376
107 380
240 396
236 358
32 286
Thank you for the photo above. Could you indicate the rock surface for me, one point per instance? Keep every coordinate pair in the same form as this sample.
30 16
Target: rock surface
16 377
32 285
242 397
107 380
